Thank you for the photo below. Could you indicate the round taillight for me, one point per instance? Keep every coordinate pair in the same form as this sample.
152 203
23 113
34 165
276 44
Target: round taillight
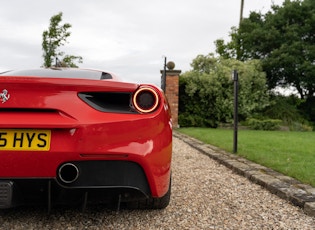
145 100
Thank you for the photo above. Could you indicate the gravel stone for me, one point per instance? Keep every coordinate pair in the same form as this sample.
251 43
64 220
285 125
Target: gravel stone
205 195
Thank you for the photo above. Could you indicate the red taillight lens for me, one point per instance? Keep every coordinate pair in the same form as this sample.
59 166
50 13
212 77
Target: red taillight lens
145 100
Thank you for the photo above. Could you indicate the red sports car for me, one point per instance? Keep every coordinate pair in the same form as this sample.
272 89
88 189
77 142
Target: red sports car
75 136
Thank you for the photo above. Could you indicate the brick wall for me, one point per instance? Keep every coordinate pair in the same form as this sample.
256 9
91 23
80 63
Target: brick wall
171 92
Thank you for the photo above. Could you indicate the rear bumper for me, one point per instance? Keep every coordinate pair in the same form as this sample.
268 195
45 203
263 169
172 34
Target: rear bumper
151 151
97 182
148 142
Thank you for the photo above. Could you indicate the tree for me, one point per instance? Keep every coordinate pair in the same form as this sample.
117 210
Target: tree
283 39
55 37
206 92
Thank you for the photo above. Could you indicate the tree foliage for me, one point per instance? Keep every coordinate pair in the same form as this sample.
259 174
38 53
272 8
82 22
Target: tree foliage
283 39
55 37
206 92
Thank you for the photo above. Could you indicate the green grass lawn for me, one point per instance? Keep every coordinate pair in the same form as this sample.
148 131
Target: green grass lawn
291 153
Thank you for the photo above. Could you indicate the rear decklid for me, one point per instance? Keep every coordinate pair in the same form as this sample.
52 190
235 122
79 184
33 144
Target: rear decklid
28 101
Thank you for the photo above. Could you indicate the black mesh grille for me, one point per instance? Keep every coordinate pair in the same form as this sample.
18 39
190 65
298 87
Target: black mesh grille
108 102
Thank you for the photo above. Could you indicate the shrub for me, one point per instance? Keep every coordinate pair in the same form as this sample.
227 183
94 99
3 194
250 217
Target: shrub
284 108
297 126
267 124
290 111
206 92
193 120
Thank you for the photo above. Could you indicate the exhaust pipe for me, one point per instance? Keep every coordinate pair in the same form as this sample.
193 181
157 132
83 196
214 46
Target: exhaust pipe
68 173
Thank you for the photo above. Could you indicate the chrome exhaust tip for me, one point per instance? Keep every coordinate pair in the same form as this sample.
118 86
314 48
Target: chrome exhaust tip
68 173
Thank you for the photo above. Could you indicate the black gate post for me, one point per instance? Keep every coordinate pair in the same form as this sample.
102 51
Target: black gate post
163 78
235 80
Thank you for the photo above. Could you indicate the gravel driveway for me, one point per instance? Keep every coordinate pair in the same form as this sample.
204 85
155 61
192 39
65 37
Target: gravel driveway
205 195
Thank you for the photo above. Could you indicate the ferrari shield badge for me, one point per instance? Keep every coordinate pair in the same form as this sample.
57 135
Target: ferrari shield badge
4 96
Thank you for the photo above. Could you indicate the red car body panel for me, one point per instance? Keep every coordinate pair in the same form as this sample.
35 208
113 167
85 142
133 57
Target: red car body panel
80 132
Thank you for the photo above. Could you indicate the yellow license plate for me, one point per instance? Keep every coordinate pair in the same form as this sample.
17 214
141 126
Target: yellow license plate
25 139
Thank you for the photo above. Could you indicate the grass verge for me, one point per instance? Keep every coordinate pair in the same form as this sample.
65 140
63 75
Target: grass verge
290 153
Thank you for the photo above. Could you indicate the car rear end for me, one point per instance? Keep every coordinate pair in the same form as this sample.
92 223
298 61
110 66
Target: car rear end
71 140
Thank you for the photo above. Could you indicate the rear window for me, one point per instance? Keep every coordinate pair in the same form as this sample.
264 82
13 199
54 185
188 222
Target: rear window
60 73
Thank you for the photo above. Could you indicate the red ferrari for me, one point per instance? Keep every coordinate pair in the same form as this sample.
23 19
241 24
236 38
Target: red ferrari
75 136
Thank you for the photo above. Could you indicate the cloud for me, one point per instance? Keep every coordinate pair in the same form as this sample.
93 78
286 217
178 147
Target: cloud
127 37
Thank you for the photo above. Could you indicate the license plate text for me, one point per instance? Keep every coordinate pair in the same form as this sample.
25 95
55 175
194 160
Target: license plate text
27 140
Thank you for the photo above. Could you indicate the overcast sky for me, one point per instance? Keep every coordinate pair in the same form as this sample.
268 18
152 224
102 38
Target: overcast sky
127 37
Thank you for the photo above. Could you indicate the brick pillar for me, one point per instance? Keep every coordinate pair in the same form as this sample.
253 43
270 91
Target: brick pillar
171 90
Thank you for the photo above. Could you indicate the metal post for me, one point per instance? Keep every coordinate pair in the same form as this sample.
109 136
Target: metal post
163 80
235 79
